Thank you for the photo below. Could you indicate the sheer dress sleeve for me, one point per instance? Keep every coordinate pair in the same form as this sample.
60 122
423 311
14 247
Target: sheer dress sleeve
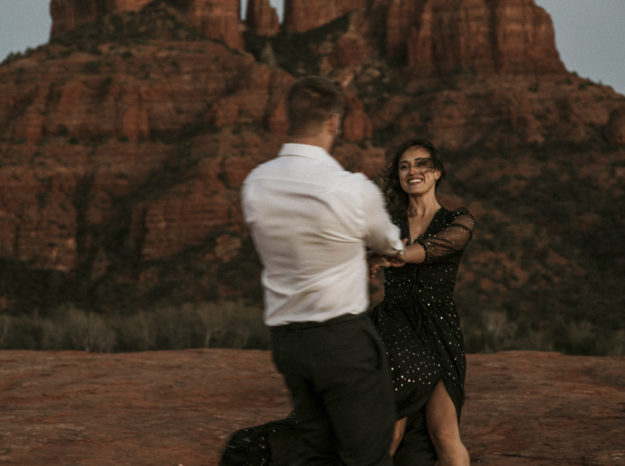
451 239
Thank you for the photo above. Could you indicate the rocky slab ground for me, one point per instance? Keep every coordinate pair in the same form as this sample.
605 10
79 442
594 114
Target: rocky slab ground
179 407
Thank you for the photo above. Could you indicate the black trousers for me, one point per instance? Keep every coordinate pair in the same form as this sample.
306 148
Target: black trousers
339 379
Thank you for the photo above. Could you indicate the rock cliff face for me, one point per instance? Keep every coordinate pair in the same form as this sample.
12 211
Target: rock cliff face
302 15
49 204
615 129
68 14
262 18
432 36
447 36
123 146
218 19
524 38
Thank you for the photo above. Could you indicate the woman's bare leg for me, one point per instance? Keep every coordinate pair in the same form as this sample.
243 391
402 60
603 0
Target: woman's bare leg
442 422
398 434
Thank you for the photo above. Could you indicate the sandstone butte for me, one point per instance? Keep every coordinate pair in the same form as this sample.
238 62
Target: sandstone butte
179 407
502 35
125 140
218 19
123 151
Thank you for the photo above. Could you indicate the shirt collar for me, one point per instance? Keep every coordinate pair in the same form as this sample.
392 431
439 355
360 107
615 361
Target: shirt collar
306 150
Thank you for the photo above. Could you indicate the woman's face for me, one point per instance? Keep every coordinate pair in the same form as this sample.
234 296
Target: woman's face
417 174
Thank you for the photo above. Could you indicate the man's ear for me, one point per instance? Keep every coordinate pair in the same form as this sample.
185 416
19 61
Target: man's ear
335 123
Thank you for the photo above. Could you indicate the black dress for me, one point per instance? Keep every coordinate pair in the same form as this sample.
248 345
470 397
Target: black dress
420 327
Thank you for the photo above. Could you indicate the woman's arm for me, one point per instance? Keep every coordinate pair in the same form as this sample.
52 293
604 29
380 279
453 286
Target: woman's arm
453 238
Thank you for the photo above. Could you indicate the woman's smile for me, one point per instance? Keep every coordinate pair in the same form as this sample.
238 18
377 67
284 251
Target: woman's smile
415 180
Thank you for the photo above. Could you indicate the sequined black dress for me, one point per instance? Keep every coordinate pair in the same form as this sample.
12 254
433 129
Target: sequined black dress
418 320
420 327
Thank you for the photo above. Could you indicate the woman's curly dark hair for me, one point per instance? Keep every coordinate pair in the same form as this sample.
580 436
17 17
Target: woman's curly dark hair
396 198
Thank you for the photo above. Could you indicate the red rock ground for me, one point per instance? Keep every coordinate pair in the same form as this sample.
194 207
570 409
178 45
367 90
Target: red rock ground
179 407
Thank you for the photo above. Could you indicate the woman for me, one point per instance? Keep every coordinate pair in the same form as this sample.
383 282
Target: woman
417 319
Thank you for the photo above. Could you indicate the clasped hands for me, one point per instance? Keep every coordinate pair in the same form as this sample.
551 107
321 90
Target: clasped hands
376 261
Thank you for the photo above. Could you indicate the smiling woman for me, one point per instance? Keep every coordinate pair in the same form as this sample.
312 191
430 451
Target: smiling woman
417 320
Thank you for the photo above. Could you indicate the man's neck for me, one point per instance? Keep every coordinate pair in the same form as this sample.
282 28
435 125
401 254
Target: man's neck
318 141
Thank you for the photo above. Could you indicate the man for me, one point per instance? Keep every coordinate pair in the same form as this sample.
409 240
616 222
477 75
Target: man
310 221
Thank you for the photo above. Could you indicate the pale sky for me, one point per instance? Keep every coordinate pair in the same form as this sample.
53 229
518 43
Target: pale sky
590 34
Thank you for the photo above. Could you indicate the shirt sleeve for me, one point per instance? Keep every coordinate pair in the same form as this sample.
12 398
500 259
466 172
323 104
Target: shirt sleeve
453 238
381 235
246 201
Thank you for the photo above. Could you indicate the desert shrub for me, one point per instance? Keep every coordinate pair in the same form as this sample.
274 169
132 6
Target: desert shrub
492 331
231 324
136 332
75 329
612 345
22 332
576 337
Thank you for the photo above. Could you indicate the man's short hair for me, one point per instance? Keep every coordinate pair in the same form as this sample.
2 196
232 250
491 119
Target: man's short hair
310 102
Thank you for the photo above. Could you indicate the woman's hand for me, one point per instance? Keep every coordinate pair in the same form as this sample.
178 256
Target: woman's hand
375 262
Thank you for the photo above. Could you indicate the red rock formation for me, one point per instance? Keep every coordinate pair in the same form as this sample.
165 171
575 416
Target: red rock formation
218 19
460 37
304 15
351 50
262 18
67 14
134 154
448 36
522 408
525 39
356 124
40 221
37 224
615 128
402 16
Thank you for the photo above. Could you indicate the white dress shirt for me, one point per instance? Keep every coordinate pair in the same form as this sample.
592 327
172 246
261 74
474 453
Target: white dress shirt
310 222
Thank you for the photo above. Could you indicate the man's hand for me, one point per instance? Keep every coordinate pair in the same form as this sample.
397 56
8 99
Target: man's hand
376 261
